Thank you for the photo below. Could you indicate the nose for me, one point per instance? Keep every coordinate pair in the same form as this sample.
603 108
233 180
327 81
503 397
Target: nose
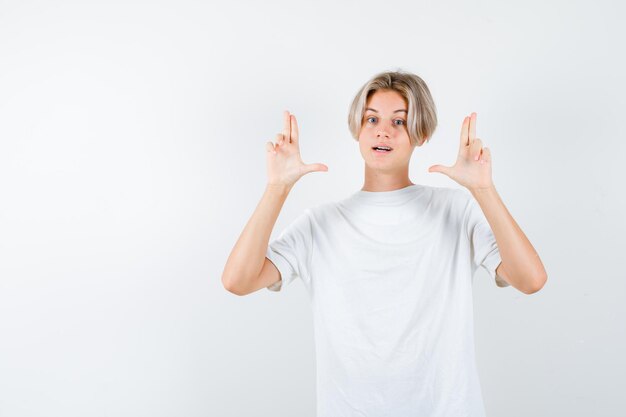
382 133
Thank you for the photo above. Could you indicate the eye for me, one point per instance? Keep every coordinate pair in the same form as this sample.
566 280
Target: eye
402 122
371 117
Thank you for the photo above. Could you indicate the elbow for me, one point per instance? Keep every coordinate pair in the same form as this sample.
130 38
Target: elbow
229 286
538 283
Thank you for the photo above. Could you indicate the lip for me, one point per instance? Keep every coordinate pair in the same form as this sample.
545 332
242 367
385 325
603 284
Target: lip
382 144
381 152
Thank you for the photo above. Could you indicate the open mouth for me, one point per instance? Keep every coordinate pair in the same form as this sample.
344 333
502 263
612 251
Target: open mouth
382 149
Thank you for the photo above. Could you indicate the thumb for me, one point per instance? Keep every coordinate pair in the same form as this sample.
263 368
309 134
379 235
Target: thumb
314 167
440 168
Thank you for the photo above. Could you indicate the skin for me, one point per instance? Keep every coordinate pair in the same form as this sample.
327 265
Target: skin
284 163
383 124
521 266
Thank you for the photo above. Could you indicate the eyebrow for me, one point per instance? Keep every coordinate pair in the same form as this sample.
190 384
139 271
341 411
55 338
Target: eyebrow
376 111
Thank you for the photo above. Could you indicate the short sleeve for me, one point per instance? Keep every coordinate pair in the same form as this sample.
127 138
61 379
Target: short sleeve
484 249
291 251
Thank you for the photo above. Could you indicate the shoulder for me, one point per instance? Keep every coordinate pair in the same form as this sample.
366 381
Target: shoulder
454 198
323 211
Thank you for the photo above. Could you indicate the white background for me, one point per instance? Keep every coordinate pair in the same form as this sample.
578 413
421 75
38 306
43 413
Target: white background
132 154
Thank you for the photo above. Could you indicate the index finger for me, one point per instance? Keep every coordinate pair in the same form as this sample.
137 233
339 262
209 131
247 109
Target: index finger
294 129
286 126
464 132
472 127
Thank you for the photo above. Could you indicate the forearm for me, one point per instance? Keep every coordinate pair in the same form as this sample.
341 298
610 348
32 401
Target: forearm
248 255
520 260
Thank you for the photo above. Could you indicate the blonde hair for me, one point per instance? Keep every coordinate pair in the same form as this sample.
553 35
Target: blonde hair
422 113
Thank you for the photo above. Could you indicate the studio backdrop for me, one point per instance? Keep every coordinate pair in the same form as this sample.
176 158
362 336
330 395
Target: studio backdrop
132 154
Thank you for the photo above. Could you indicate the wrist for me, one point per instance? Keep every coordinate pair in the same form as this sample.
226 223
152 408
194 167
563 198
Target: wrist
481 191
278 188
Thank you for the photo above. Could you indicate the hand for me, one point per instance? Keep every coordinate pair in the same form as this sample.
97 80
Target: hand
473 165
284 164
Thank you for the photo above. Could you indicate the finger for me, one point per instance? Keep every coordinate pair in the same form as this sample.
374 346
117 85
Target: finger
472 127
294 130
269 147
314 167
486 155
440 168
464 132
286 126
475 148
280 139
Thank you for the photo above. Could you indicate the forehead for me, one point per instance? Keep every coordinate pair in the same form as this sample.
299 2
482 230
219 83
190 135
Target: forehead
382 100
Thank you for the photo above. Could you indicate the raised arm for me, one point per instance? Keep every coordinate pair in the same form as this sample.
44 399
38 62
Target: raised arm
521 266
247 269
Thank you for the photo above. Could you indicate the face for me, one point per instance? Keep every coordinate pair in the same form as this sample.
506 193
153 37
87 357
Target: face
384 124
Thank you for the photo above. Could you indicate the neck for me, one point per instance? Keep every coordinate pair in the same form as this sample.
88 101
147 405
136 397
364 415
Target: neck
386 181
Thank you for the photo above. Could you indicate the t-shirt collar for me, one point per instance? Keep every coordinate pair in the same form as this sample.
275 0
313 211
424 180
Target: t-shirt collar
393 197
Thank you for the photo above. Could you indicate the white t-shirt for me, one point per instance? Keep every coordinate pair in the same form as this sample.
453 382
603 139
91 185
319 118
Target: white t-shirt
389 275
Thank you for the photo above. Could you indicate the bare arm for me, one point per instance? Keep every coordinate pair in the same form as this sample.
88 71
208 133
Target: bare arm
247 258
520 266
247 269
